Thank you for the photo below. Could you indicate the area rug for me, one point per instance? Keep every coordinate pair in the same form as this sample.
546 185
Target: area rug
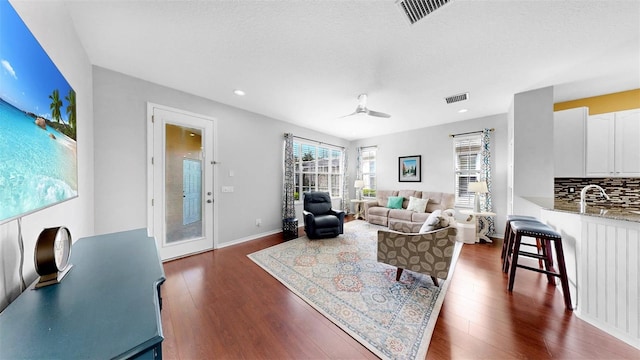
342 279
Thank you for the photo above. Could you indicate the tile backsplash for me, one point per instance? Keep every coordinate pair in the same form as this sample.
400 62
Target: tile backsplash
624 192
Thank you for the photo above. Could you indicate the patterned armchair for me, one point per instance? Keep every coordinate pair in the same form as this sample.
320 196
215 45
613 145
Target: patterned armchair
429 253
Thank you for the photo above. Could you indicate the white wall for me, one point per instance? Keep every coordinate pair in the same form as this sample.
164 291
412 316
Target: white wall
533 163
248 144
436 148
52 27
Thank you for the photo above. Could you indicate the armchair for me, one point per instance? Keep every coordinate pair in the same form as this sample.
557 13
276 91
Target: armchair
320 220
428 253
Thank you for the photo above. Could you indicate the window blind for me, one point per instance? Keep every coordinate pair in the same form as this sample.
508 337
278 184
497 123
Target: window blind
466 150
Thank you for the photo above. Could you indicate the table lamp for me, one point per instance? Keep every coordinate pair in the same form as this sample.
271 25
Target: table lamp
359 184
479 187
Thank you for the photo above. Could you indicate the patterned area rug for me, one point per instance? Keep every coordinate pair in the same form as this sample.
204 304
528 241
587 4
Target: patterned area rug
342 279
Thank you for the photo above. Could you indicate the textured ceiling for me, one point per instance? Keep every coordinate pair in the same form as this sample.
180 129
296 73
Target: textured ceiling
305 62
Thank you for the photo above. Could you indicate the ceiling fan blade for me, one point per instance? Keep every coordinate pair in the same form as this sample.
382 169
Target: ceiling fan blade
353 113
378 114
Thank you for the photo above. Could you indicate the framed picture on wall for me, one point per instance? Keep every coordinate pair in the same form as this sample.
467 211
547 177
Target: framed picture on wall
409 168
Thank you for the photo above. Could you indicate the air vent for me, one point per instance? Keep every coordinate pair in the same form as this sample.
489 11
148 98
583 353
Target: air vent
456 98
417 9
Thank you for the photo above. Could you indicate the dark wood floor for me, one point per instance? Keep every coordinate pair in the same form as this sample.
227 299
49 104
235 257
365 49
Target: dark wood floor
221 305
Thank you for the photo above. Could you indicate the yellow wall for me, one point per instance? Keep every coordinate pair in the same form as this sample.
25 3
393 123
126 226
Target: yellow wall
619 101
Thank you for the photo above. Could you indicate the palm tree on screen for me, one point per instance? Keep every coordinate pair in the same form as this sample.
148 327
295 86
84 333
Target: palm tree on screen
71 110
55 106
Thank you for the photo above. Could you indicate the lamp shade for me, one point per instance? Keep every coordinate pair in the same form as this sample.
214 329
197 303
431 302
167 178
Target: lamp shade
359 184
478 187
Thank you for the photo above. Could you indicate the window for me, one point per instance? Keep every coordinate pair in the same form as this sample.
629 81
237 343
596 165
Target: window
317 167
467 151
368 170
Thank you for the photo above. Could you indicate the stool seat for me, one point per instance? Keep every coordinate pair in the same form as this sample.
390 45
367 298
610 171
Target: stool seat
534 229
520 217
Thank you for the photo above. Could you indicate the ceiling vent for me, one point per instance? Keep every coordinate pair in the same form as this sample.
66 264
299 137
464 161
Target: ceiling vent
456 98
417 9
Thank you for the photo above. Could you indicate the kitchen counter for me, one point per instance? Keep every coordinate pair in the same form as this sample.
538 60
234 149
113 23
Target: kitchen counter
601 253
616 213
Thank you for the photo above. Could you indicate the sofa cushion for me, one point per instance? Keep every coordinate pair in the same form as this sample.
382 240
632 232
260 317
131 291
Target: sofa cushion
419 217
417 204
383 196
400 214
407 194
378 211
438 200
394 202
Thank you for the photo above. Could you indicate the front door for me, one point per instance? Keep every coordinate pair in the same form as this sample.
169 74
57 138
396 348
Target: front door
182 181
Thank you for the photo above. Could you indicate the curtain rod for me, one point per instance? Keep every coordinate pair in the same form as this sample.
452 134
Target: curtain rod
317 142
470 132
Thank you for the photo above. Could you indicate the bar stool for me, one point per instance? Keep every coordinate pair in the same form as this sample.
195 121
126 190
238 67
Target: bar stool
546 235
507 243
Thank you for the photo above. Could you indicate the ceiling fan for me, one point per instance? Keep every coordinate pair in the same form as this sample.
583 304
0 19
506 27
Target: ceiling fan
362 108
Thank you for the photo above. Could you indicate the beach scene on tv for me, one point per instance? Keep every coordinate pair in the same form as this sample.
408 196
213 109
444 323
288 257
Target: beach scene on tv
38 161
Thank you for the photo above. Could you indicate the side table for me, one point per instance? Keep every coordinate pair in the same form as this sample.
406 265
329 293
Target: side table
481 223
289 228
358 205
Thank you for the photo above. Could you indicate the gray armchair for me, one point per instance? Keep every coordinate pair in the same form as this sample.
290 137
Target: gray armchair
429 253
320 220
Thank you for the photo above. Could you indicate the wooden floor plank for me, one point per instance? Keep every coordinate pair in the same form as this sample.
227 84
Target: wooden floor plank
221 305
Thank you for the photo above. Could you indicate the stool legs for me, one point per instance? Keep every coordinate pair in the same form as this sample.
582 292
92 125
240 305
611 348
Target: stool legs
544 236
564 281
514 260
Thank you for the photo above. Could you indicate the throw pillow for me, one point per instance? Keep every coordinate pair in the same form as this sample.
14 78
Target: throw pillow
433 222
395 202
417 204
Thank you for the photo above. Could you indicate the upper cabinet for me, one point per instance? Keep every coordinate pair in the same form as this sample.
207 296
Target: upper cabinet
627 137
600 140
569 127
613 144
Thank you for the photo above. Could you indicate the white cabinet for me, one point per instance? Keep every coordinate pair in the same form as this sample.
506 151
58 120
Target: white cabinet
613 146
600 140
569 127
627 137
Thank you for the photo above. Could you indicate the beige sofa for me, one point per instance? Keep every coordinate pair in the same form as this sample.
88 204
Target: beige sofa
377 212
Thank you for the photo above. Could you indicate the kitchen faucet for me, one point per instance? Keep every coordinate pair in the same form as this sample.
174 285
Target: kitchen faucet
583 203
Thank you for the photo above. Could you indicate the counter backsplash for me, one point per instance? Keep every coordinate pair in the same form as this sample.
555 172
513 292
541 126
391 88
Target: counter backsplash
624 192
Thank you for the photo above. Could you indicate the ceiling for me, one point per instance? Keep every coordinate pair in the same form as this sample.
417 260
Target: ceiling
306 62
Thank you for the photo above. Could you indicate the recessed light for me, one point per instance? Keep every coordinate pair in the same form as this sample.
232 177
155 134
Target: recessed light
239 92
463 111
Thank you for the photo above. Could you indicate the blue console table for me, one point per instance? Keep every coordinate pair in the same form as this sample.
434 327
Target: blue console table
107 307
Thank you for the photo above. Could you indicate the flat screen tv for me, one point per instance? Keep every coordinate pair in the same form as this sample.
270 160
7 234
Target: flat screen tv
38 161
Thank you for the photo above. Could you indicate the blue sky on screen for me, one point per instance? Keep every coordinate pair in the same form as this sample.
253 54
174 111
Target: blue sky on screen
27 74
